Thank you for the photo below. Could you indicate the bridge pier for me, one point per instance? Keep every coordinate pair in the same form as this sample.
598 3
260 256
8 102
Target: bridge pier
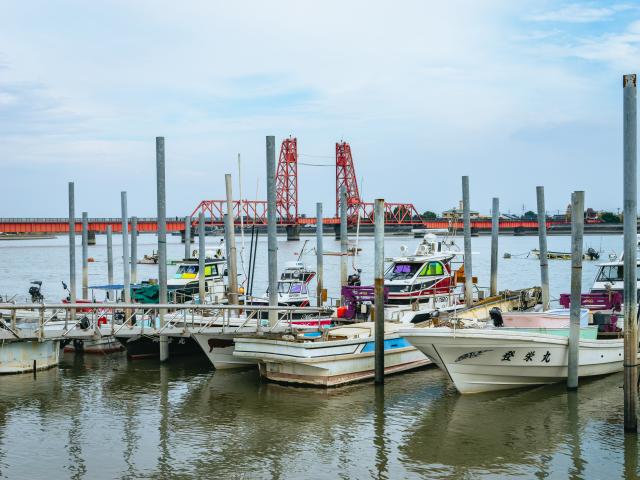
91 237
183 235
293 233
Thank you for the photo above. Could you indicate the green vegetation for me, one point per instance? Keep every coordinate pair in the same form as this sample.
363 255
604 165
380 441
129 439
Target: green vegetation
609 217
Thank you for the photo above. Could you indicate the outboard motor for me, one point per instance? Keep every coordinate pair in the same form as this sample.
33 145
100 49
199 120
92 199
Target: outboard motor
353 280
34 291
84 323
496 315
592 254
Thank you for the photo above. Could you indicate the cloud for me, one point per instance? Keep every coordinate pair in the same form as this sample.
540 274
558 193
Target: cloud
580 13
452 84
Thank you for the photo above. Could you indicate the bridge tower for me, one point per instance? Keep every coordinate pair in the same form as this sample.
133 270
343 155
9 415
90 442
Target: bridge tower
287 187
346 175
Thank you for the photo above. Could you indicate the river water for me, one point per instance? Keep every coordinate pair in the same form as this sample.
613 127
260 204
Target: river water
107 417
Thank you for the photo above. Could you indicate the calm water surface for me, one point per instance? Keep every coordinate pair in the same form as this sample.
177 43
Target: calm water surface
106 417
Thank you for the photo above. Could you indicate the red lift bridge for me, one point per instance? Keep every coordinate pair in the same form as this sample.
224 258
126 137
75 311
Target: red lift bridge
255 211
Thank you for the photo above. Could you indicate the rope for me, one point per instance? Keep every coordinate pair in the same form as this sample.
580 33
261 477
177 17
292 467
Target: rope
316 164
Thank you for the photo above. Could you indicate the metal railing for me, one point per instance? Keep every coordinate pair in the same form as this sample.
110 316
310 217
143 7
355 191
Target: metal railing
91 317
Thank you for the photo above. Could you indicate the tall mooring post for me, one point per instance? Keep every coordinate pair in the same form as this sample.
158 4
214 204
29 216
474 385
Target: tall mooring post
110 260
379 289
319 253
272 238
495 232
344 236
162 240
72 251
229 227
187 237
85 255
542 243
134 250
466 218
202 253
577 234
125 249
630 189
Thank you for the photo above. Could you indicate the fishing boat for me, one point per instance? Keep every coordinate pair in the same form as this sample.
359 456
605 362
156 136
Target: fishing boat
28 356
610 277
337 356
487 359
293 287
590 254
186 281
428 276
345 353
149 259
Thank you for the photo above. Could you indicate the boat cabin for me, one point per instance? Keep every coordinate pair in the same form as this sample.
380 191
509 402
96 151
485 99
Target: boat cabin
425 274
293 286
186 279
610 277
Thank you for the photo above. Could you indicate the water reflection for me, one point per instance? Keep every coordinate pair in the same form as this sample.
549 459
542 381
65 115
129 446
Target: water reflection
379 438
631 456
107 417
577 467
527 431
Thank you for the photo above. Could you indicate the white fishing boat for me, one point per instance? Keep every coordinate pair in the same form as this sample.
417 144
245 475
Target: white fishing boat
217 339
485 359
28 356
428 276
293 287
102 345
345 354
334 357
185 282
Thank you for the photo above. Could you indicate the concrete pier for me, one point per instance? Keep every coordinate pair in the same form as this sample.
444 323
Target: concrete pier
293 233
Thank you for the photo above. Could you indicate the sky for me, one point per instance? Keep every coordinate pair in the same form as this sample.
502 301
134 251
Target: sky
513 94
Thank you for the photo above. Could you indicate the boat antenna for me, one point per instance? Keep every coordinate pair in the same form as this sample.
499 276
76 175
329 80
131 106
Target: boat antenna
244 272
355 249
302 250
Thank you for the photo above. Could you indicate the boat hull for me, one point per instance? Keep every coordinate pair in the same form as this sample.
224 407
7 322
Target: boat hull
482 361
143 346
22 357
99 346
331 364
219 350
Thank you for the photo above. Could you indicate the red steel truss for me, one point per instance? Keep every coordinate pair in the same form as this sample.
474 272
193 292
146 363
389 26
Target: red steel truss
287 182
346 175
395 213
255 211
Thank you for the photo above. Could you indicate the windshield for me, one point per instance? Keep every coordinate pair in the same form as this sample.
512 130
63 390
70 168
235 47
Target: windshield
612 273
187 271
291 287
402 271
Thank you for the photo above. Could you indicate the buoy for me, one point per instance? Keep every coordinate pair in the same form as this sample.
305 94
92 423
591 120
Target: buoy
91 259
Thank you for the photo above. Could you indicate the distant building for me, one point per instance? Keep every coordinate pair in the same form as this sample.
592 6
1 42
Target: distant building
457 213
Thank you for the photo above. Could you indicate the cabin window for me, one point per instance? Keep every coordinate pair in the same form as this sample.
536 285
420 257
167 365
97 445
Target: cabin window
432 269
298 288
610 273
210 270
187 271
402 271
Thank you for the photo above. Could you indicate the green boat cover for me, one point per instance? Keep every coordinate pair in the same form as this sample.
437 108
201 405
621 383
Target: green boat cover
145 293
